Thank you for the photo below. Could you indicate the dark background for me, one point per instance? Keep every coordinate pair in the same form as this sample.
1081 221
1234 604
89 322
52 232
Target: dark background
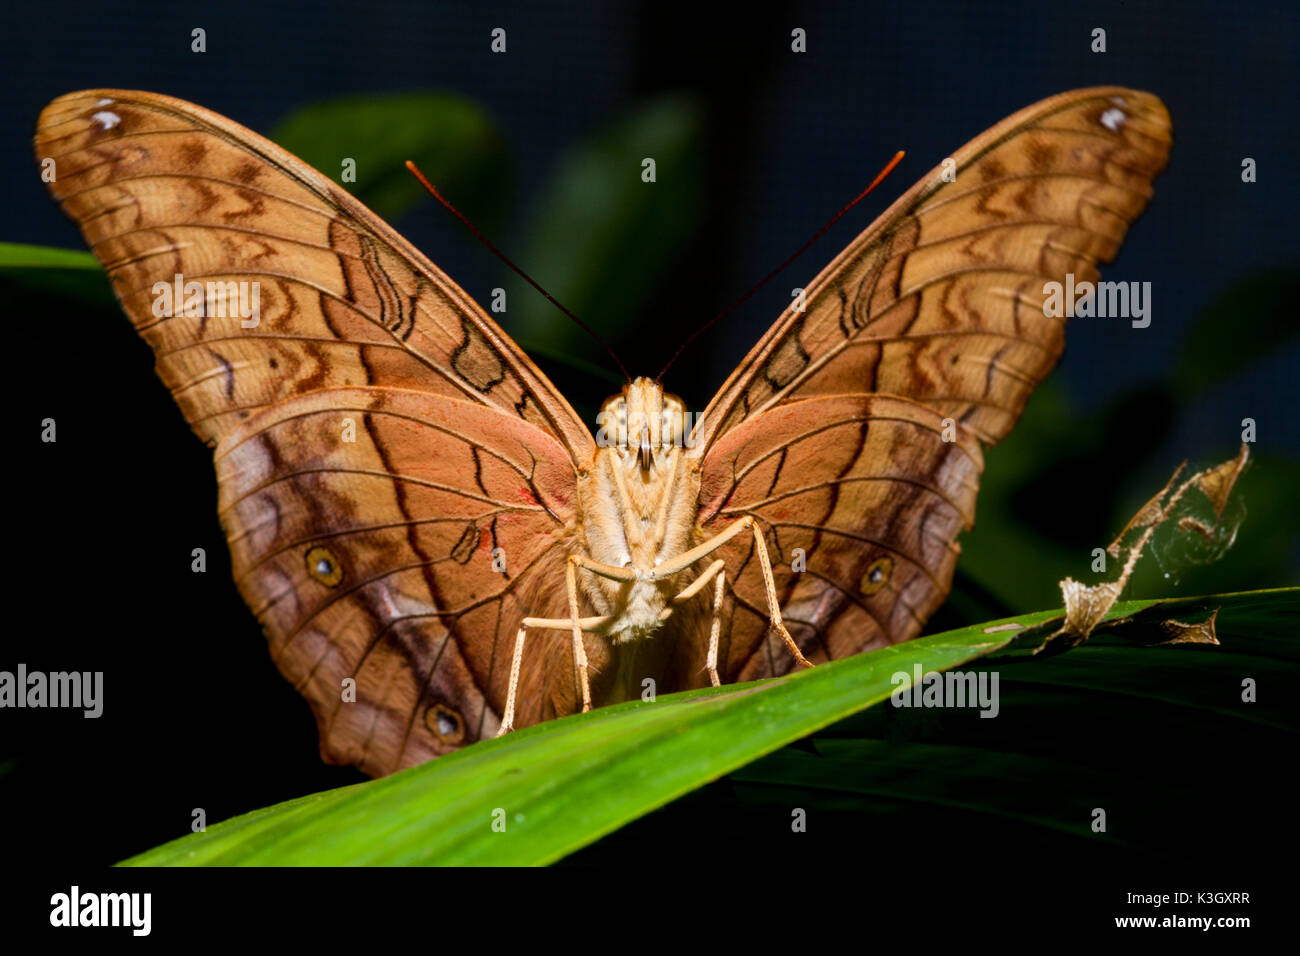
196 715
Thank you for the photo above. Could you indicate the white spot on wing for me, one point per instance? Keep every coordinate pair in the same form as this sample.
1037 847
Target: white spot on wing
106 101
1119 101
106 120
397 605
1113 119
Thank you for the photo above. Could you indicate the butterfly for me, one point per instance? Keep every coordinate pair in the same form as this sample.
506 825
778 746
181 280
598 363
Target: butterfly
438 547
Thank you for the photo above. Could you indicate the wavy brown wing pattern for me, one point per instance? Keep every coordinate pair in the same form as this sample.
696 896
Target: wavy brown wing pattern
161 187
377 436
940 302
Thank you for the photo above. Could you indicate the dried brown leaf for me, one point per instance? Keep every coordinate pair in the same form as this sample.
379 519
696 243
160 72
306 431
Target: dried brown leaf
1084 609
1199 527
1202 632
1085 606
1216 483
1149 514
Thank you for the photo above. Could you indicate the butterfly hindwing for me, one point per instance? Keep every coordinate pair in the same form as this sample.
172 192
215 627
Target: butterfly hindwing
370 560
861 499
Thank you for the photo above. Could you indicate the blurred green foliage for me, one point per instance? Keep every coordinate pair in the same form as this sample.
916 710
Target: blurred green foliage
1252 318
602 237
452 140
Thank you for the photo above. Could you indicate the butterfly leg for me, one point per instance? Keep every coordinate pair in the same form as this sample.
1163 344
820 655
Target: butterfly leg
577 625
579 649
747 523
711 662
571 580
508 720
773 605
588 624
718 575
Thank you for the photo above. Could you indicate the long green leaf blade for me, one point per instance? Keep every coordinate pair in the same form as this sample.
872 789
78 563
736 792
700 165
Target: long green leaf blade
563 784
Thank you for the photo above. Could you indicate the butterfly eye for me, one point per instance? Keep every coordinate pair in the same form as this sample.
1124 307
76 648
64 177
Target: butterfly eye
324 567
876 576
445 724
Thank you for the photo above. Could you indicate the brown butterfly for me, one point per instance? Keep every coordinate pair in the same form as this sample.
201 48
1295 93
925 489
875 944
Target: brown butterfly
411 505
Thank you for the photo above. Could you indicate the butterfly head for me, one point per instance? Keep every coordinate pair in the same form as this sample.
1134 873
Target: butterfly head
642 426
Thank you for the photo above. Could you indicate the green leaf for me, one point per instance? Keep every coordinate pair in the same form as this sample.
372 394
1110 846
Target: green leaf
16 256
563 784
450 138
35 280
1159 737
1145 732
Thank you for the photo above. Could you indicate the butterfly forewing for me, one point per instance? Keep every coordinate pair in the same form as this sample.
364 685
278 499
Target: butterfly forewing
162 188
941 298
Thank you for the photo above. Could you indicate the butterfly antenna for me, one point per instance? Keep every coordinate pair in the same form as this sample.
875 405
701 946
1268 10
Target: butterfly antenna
433 190
889 168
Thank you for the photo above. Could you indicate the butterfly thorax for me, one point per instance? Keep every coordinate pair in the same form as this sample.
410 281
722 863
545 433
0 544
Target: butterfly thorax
637 505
